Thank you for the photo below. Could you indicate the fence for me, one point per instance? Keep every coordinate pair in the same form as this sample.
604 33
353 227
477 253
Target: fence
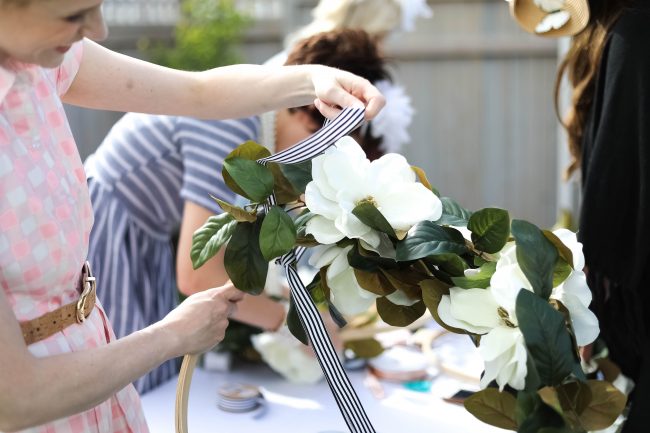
485 128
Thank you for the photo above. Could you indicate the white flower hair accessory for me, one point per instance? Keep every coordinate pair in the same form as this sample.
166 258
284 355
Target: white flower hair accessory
556 16
411 11
551 18
392 123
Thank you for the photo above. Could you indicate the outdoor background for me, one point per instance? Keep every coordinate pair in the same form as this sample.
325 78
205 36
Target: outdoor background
485 129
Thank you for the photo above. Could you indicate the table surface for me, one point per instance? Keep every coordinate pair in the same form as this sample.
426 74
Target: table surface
312 409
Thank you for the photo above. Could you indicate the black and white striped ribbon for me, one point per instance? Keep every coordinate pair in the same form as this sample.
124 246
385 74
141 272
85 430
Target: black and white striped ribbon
349 404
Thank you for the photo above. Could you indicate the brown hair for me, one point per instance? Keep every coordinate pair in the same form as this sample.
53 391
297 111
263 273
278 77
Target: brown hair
581 66
352 50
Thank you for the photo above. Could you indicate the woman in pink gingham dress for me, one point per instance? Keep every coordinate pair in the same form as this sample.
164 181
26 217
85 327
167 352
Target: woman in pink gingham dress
46 218
77 379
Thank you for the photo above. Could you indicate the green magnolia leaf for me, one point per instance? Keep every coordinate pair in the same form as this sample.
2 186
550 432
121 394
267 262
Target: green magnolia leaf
427 238
546 337
533 415
299 175
561 271
490 229
243 260
368 261
368 348
399 315
303 218
370 216
562 249
374 282
278 234
294 324
283 189
432 292
477 280
533 381
250 151
536 256
406 279
574 397
208 239
606 404
237 212
526 402
453 214
316 290
336 315
452 264
254 180
549 396
493 407
422 177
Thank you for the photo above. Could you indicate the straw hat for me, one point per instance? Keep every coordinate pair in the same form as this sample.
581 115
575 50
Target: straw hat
561 17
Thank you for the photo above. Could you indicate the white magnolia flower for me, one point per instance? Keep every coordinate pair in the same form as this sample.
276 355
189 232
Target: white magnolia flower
502 347
553 21
573 293
286 355
343 178
345 292
492 312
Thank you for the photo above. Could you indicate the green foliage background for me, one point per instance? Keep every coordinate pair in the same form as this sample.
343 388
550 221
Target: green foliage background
207 35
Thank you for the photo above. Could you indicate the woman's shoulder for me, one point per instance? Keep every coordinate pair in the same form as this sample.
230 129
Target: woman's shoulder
634 23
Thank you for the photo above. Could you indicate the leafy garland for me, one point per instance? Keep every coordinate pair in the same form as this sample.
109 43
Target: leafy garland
430 265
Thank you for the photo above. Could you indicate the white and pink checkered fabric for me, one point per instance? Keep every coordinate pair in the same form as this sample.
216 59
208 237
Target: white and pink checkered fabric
45 221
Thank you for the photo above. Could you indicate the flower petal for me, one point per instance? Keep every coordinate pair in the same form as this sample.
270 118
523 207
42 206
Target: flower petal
319 204
570 240
505 356
474 306
323 230
399 297
404 205
323 255
346 294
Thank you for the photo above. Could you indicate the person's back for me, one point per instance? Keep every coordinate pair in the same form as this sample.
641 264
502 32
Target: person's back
616 205
139 179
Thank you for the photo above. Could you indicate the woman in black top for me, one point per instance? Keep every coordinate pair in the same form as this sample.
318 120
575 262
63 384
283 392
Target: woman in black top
609 136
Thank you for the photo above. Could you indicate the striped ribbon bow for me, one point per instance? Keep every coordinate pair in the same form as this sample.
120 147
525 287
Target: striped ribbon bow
344 394
346 398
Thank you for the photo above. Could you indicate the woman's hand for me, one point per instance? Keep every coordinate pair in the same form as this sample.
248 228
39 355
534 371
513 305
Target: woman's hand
336 88
200 322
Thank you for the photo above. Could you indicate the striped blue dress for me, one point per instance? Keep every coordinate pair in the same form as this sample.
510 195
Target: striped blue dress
139 179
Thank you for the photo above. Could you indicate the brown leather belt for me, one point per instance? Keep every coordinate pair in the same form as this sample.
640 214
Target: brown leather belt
75 312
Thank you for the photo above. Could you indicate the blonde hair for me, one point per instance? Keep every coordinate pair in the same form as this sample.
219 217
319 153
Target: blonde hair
581 65
376 17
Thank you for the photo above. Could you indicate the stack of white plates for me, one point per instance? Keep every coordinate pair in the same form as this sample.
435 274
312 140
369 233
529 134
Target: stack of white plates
400 364
236 397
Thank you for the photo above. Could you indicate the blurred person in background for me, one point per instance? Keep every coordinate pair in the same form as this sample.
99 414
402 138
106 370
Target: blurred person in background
608 126
152 177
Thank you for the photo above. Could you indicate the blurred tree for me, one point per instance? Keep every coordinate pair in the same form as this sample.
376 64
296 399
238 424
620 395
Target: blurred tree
207 35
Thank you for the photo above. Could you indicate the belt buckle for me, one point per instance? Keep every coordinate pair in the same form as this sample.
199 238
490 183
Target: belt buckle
89 284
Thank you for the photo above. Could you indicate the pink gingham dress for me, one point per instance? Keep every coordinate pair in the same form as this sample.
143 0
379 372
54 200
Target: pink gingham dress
45 221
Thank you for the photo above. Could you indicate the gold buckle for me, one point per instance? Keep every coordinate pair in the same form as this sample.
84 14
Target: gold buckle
89 285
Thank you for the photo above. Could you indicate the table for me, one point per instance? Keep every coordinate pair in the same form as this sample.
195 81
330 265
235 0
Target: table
311 408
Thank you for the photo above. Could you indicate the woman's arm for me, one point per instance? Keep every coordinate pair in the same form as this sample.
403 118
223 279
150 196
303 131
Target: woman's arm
258 311
35 390
112 81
